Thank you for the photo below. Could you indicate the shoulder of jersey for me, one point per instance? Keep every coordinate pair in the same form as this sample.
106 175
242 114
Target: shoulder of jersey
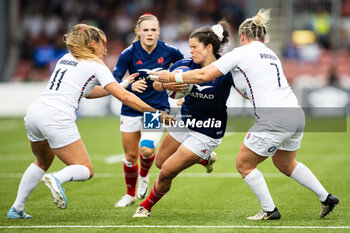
170 46
127 49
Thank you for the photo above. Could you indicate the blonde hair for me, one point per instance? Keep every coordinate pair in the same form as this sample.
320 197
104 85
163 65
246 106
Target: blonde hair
256 27
142 18
79 41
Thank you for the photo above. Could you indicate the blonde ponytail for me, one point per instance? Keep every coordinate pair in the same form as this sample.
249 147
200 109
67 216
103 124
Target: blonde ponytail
257 26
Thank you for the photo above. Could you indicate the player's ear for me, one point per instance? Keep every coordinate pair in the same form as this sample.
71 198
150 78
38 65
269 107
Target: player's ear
210 47
93 45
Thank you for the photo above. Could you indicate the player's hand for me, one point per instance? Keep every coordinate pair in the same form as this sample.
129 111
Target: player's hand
132 77
139 86
175 86
166 118
180 102
161 76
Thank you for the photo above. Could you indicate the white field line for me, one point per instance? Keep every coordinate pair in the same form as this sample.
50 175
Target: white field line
185 174
176 226
114 159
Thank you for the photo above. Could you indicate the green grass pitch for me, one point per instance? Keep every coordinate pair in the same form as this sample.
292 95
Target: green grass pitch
197 202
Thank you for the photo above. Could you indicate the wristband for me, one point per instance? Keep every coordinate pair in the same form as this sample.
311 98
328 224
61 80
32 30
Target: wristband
125 83
178 77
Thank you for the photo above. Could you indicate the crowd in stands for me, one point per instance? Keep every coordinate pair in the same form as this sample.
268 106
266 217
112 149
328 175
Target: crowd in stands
45 22
314 56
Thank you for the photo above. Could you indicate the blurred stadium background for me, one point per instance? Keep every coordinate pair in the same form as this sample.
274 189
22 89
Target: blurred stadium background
312 37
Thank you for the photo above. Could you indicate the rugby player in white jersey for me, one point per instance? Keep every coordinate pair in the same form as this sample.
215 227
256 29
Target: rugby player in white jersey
50 120
280 121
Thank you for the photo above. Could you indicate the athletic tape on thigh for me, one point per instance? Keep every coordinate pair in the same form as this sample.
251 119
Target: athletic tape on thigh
147 143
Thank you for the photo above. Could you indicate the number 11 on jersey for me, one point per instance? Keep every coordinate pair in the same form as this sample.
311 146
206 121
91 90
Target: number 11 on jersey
59 80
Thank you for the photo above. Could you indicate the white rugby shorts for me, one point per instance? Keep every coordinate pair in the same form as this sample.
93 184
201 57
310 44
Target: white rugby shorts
276 133
45 122
200 144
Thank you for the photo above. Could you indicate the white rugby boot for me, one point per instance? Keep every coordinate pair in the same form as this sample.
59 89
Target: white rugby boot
125 201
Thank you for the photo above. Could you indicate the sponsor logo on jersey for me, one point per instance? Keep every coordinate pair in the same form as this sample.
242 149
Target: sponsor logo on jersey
139 62
204 151
201 88
148 71
151 120
201 95
145 72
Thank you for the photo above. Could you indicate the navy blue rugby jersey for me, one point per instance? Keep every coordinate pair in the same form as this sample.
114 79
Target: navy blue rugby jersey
205 106
136 60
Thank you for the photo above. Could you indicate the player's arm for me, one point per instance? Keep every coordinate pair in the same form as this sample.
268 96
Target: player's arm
131 100
97 92
202 75
158 86
239 92
128 98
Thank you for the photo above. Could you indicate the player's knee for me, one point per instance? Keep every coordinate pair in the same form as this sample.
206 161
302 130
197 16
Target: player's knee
132 157
159 163
165 175
239 165
243 168
285 168
147 148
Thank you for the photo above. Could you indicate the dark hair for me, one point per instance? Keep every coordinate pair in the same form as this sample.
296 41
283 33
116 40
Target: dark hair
207 36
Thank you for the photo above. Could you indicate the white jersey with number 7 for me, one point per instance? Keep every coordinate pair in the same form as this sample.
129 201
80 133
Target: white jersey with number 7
257 71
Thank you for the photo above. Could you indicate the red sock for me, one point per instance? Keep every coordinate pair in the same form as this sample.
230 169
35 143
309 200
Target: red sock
131 174
203 162
146 164
152 198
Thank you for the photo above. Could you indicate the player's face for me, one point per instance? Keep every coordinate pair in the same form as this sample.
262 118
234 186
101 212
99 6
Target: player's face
198 51
149 32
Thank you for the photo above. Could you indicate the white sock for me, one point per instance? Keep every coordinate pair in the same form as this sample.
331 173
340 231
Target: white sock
256 182
30 179
306 178
73 173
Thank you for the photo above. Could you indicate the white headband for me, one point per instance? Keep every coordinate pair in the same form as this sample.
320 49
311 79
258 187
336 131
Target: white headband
218 31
